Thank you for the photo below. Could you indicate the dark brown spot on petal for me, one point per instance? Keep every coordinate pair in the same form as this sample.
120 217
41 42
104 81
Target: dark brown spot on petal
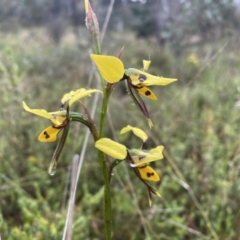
142 77
139 86
142 166
149 174
46 135
60 126
148 93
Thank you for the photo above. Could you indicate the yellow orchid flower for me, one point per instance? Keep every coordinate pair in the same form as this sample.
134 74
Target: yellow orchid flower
58 118
112 70
139 158
119 151
61 121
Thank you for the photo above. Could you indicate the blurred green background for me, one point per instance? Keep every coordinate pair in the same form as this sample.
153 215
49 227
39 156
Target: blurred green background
44 53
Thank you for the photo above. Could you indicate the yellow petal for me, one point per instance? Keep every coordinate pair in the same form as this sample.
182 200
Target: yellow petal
142 78
67 96
73 96
151 156
137 131
39 112
147 173
111 148
146 64
57 117
81 94
146 92
111 68
49 134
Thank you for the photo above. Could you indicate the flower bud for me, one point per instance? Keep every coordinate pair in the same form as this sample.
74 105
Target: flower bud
92 22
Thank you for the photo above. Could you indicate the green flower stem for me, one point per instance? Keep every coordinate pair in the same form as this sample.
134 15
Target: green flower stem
107 196
93 27
102 161
107 208
73 116
97 47
106 95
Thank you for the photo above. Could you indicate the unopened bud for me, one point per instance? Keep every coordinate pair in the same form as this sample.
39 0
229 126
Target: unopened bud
92 22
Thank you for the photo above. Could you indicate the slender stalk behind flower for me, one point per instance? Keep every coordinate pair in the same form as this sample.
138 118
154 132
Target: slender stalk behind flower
93 27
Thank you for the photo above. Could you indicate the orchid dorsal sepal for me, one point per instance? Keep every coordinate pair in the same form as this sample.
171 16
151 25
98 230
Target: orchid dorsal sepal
111 68
111 148
137 131
146 64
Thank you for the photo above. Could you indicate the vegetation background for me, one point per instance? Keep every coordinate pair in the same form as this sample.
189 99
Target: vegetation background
44 52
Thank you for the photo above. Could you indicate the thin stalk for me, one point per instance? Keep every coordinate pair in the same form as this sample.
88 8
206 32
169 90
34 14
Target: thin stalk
101 157
107 208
